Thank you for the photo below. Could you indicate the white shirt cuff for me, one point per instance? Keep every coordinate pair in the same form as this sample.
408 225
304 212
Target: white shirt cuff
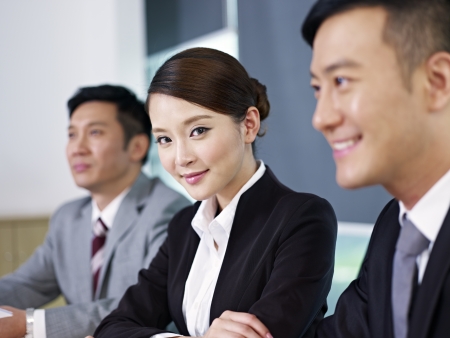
165 335
39 330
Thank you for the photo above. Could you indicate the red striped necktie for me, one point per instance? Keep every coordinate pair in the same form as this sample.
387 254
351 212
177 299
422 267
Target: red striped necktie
98 243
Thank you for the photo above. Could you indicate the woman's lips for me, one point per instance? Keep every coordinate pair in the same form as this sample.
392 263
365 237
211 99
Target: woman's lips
194 178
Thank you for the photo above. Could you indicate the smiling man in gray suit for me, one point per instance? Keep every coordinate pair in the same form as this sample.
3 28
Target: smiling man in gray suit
96 245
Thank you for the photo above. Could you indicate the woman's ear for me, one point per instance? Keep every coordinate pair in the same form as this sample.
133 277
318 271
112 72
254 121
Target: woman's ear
251 124
438 81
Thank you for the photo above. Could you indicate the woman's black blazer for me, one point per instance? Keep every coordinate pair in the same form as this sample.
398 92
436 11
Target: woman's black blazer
278 266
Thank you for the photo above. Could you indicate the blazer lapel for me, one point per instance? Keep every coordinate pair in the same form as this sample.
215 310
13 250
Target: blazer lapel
431 287
125 218
81 236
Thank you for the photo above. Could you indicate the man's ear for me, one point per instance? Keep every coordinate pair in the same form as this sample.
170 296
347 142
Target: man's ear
251 124
438 81
138 147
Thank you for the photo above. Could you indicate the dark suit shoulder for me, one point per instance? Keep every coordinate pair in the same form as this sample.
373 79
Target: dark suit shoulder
387 218
301 198
390 210
269 195
304 213
270 183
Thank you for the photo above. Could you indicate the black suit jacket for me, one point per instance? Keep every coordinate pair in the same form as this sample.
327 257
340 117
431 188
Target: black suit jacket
278 265
364 309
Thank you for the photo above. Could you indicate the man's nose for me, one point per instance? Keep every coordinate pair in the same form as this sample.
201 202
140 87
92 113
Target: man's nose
327 114
78 146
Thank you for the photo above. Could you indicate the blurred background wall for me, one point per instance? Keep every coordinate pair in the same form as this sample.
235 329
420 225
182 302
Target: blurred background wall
48 49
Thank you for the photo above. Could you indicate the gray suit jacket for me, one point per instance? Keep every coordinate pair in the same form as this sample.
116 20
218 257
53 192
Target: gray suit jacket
61 265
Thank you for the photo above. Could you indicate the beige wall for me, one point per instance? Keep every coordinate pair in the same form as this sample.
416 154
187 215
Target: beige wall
18 240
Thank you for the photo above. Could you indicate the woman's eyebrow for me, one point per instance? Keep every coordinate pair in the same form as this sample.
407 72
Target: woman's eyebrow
196 118
185 122
158 130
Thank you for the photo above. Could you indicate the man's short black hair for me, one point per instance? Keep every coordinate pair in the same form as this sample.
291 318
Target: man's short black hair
131 112
415 28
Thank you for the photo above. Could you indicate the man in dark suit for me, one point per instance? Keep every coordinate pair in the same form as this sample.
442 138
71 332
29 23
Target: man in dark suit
97 244
381 75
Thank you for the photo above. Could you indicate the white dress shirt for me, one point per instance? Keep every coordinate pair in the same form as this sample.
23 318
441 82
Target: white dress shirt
202 279
107 215
428 215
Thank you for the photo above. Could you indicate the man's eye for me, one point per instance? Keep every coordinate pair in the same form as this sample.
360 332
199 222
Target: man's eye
71 135
340 80
95 132
163 140
199 131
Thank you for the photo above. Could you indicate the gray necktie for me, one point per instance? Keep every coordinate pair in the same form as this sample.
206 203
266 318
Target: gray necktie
410 244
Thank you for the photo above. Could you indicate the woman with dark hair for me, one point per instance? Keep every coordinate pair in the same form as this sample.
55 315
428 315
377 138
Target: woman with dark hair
252 258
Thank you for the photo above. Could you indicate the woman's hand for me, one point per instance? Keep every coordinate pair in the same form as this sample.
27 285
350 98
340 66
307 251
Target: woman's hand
237 325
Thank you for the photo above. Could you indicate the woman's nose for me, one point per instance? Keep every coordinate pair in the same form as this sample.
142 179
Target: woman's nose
184 155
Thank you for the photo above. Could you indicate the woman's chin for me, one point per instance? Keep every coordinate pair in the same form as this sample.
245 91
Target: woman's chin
198 194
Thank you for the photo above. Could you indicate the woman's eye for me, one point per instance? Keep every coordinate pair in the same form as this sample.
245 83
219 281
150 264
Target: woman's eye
163 140
199 131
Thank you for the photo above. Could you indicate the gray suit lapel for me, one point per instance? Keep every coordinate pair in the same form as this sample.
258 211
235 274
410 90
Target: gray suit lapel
82 238
124 221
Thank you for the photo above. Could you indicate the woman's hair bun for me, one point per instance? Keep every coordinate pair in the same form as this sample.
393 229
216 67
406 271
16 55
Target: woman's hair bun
261 99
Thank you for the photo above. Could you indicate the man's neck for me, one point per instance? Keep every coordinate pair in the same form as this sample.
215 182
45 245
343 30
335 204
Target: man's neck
106 195
411 188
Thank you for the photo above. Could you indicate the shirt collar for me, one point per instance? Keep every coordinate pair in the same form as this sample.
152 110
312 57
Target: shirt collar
428 214
109 212
206 213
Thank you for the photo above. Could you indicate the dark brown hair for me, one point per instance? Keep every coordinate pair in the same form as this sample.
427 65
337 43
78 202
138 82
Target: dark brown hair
211 79
415 28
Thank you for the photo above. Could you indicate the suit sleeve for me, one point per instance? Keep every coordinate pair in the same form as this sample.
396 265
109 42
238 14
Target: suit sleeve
295 295
34 283
350 319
